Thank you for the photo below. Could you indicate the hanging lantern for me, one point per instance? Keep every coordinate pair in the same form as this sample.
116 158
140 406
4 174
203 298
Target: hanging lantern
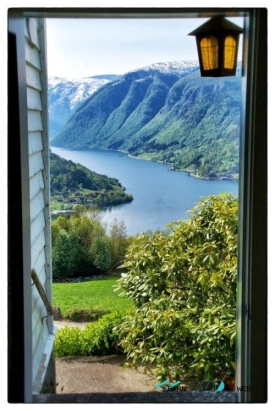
217 43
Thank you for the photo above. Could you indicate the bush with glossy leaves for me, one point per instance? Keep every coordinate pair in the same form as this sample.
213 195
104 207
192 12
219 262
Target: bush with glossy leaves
184 289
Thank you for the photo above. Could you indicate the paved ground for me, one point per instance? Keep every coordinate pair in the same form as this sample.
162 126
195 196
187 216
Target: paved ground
95 376
61 324
98 374
103 380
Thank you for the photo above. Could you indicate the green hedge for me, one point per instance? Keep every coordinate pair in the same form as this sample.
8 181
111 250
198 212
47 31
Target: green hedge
98 338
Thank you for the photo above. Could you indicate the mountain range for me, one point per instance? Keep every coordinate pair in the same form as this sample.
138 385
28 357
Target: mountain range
164 112
65 95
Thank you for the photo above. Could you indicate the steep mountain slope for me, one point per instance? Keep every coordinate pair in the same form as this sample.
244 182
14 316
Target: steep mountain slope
65 95
164 112
122 96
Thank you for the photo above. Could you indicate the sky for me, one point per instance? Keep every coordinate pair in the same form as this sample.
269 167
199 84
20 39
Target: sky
88 47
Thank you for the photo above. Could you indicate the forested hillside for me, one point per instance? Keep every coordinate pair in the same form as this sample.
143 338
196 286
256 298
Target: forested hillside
73 183
180 118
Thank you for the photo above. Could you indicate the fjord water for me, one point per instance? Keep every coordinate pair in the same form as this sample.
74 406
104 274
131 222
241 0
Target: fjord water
160 195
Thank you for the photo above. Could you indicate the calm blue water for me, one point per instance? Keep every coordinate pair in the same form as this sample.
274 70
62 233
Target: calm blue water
160 195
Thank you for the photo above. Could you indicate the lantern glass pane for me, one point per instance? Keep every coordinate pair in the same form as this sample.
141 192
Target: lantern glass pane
230 46
209 52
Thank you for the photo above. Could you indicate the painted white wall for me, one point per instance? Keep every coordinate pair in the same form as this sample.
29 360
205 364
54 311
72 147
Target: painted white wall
39 194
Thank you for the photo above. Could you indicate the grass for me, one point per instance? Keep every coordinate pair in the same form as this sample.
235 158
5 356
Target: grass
93 294
57 206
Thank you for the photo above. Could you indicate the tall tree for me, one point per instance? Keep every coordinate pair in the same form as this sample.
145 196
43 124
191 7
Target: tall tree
118 241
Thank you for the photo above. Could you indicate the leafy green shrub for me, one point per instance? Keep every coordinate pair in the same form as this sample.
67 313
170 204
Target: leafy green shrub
102 337
184 290
99 338
67 342
84 314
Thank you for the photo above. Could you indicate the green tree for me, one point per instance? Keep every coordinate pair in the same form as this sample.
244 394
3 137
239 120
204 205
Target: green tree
101 254
118 242
183 286
86 229
84 232
67 255
61 223
72 241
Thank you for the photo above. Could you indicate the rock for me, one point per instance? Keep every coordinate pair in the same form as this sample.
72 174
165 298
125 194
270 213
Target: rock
57 316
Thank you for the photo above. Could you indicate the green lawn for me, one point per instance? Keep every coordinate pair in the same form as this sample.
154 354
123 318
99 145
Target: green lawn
93 294
56 205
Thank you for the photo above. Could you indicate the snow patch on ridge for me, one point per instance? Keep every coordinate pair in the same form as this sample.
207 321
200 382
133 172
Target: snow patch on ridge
173 67
77 89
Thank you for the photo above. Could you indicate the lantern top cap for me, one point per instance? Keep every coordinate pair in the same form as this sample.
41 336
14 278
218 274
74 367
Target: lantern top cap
216 24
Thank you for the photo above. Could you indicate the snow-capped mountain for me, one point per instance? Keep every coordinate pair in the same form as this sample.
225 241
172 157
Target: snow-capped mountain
65 95
173 67
76 89
167 111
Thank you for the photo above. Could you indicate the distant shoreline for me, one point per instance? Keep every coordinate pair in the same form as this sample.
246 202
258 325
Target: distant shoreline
190 172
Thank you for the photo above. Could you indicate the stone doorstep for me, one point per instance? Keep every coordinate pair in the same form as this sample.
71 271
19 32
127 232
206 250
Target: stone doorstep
136 397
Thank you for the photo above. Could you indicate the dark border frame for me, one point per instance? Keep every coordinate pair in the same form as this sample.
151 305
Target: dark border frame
252 305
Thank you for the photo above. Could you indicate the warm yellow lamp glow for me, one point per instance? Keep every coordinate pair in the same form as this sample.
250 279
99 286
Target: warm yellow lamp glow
209 52
230 50
217 43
